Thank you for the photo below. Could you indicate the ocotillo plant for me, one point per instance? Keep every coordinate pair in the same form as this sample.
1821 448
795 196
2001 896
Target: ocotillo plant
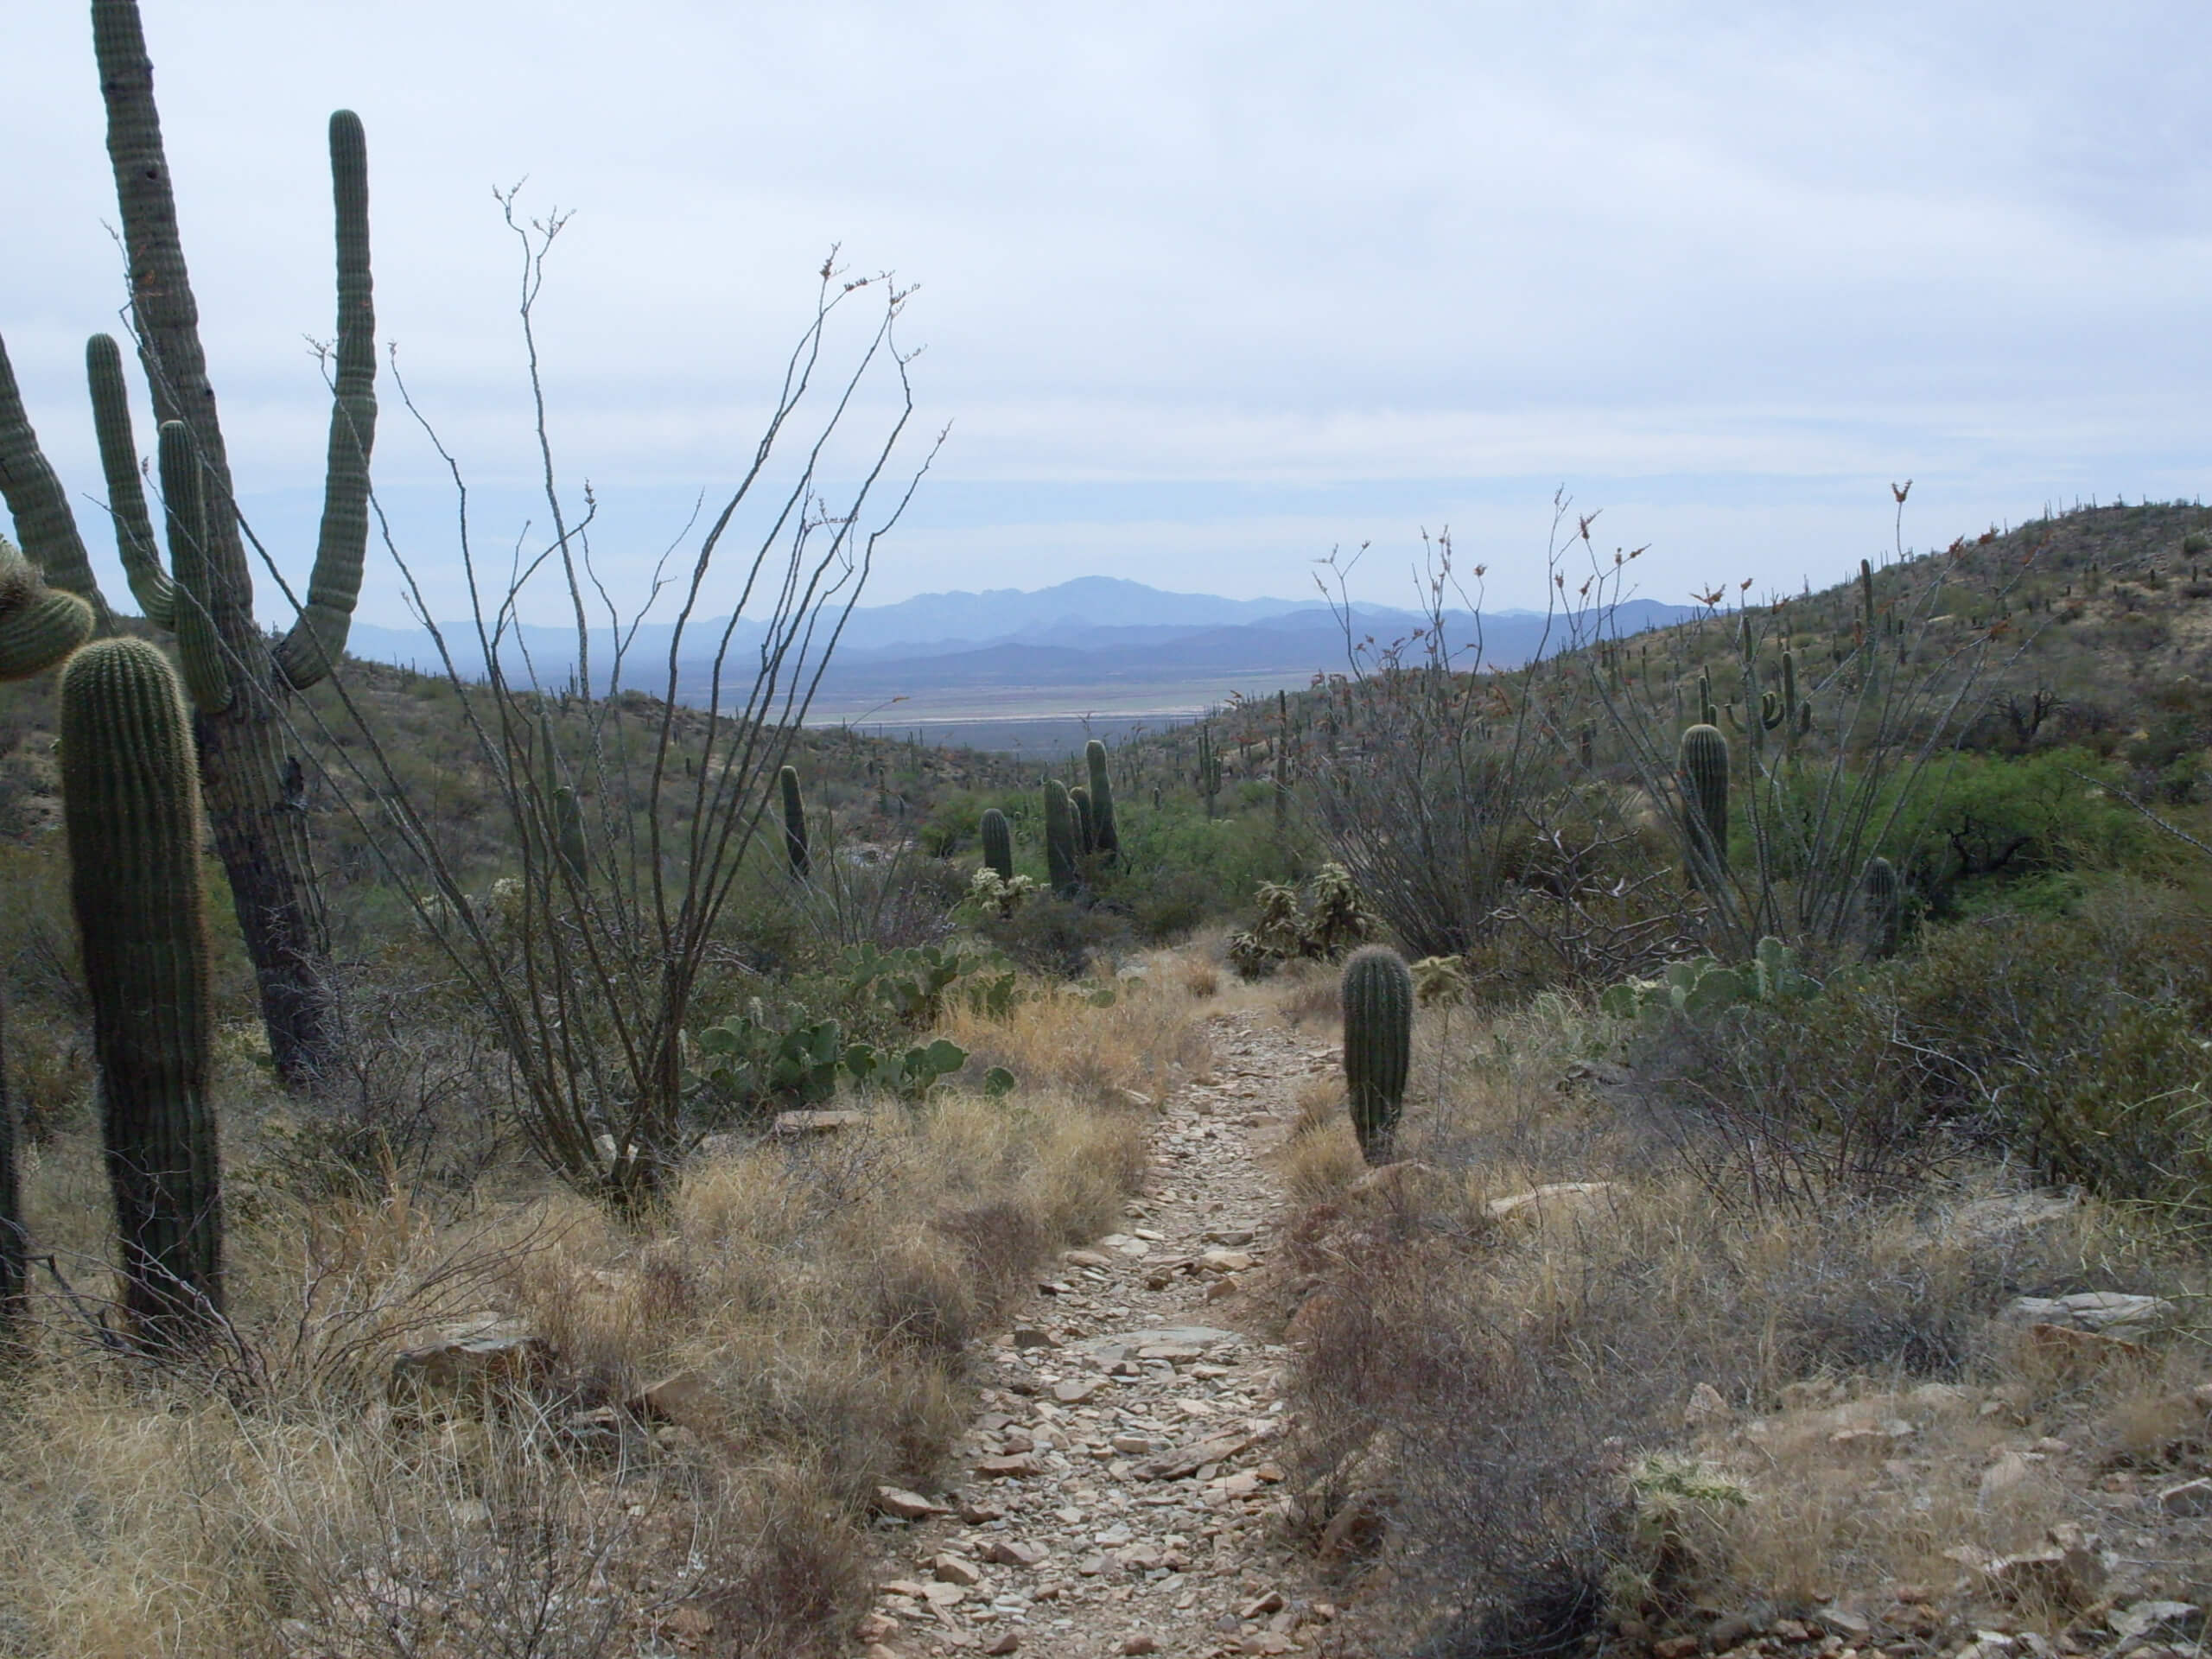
1105 837
130 799
795 843
1881 908
38 627
998 843
1378 1009
1060 840
243 768
1704 772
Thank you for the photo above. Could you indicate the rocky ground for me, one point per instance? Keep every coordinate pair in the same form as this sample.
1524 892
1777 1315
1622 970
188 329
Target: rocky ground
1115 1496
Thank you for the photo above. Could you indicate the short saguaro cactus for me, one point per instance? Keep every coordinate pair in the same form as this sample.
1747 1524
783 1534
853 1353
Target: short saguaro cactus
1378 1009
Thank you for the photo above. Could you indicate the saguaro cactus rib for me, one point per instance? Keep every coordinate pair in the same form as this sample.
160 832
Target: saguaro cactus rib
130 800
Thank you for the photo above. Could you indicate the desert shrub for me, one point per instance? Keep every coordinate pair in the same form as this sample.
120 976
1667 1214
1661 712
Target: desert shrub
1056 936
2069 1041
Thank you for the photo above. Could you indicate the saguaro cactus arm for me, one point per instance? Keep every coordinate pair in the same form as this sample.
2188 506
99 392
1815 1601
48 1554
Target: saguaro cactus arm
317 639
38 625
185 502
796 847
38 504
126 498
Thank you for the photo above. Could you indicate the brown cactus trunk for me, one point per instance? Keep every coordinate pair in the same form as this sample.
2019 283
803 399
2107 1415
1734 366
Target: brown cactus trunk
260 830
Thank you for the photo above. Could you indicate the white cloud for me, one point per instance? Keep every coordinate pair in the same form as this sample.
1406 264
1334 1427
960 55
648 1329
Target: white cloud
1725 269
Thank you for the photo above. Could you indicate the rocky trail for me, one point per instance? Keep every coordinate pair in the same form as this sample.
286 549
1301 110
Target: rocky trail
1116 1494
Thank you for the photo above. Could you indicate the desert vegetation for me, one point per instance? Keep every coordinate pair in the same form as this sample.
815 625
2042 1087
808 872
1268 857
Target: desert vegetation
1751 1193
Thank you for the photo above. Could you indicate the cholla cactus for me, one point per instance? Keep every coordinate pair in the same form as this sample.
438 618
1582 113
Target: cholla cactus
1440 979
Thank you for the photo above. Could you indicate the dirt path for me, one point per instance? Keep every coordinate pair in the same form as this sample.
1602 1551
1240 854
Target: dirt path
1115 1496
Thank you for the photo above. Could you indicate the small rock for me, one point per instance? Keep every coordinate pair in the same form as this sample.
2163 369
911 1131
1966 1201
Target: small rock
2189 1497
818 1122
1012 1467
1675 1647
488 1358
1221 1261
1140 1643
2141 1617
1725 1633
1537 1201
944 1593
1007 1552
953 1569
1086 1259
1075 1390
876 1627
978 1513
686 1398
1029 1336
1706 1407
2107 1313
1844 1621
2011 1471
1005 1641
1272 1602
2067 1573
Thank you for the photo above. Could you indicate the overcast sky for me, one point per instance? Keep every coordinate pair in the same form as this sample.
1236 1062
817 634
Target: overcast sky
1204 289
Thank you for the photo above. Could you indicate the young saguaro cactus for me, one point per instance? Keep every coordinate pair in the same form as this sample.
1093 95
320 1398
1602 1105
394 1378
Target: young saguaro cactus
1060 840
130 799
238 677
1703 763
998 843
1105 838
1379 1008
795 842
1881 908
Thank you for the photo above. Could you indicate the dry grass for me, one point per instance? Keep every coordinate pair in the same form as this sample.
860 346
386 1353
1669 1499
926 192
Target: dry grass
1491 1381
816 1300
1148 1041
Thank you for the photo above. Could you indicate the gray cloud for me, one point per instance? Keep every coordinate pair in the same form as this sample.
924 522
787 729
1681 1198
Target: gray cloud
1205 288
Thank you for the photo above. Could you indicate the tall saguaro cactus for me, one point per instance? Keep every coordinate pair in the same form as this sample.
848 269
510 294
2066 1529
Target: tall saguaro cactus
1881 908
130 799
238 679
1105 838
1378 1009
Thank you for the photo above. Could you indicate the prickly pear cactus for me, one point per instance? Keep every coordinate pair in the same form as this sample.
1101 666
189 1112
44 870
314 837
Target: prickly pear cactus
998 843
130 799
1378 1009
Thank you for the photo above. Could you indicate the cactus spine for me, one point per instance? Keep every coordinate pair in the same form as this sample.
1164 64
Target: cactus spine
1703 764
1378 1009
1105 838
1059 839
795 842
131 798
998 843
1881 908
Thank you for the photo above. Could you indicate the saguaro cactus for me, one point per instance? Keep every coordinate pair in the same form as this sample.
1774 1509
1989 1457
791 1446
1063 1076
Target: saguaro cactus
1106 840
130 799
998 843
1086 820
795 843
37 628
1060 840
1881 908
1378 1007
259 834
1704 768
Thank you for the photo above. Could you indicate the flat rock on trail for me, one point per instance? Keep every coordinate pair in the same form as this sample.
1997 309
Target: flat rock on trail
1114 1494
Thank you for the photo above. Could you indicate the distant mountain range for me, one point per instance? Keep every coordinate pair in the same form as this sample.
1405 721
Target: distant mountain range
1097 642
